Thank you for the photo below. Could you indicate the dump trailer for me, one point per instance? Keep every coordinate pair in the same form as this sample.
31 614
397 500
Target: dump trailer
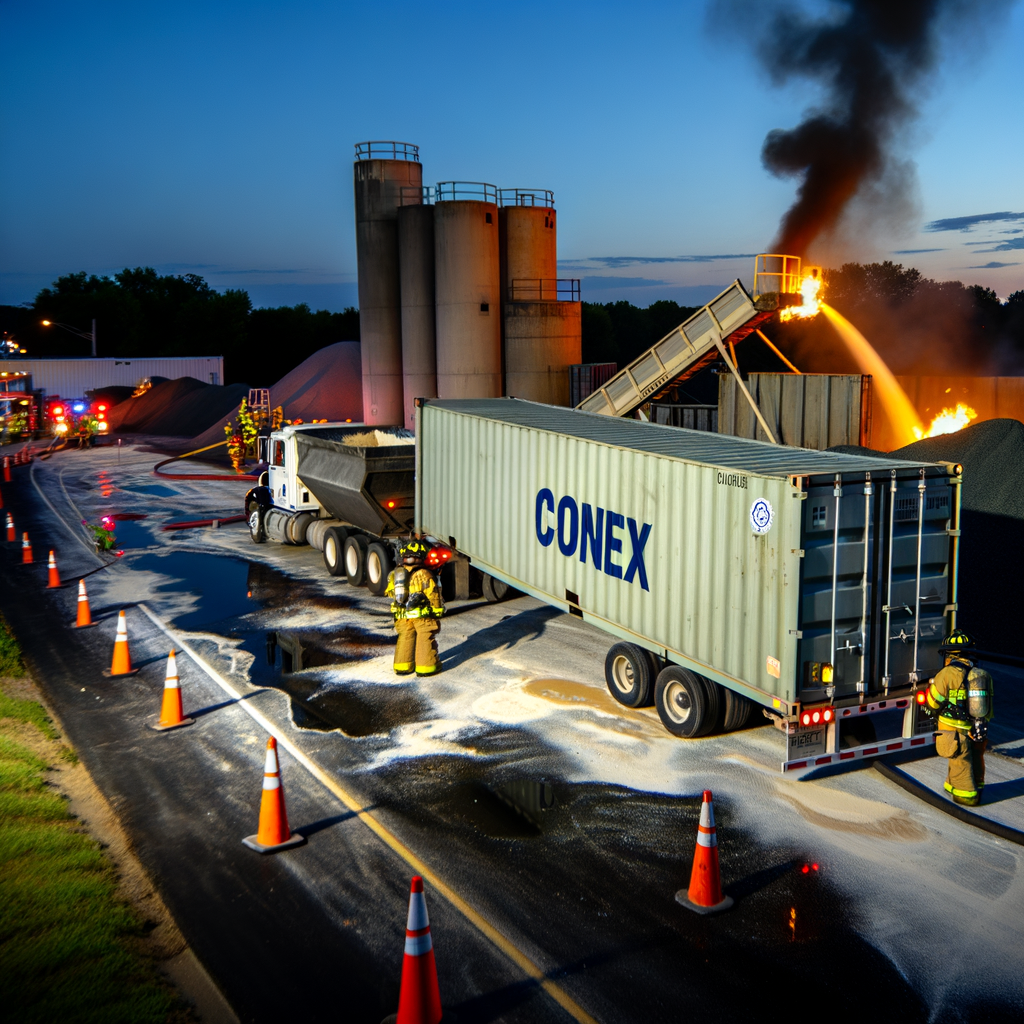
346 489
735 574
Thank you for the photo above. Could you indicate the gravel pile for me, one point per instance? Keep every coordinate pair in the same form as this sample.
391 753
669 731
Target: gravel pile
991 590
176 408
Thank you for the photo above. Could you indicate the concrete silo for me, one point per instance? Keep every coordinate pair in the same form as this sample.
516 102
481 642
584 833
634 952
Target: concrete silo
542 314
381 171
416 275
467 276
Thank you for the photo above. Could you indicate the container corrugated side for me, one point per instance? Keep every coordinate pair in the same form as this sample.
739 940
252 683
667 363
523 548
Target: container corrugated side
72 378
719 597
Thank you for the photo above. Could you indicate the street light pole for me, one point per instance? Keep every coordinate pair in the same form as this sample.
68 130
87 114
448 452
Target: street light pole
88 335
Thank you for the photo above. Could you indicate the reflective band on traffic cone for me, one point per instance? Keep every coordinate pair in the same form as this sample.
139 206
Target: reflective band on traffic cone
170 712
705 892
26 550
54 581
419 1001
121 665
84 612
274 833
11 535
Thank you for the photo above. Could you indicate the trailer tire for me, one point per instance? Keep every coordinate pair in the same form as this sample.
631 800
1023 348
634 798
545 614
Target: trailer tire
378 566
736 710
334 550
683 702
256 530
629 674
355 559
495 590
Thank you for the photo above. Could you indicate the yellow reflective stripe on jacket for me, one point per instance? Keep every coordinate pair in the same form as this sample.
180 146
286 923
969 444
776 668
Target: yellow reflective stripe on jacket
954 723
935 699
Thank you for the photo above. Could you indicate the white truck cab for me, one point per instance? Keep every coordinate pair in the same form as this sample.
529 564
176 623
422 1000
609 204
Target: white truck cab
281 455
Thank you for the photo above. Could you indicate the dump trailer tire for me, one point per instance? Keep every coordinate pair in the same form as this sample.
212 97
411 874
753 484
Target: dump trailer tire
736 710
495 590
355 559
256 531
682 702
629 675
378 566
334 550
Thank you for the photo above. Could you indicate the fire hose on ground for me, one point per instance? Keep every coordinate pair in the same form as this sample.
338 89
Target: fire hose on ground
199 476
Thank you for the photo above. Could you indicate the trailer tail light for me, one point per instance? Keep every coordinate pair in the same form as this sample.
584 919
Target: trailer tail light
817 715
827 715
438 555
390 504
921 696
805 718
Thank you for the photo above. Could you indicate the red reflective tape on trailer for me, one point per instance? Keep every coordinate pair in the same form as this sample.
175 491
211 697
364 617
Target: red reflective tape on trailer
895 746
798 764
902 703
823 760
846 757
870 750
918 742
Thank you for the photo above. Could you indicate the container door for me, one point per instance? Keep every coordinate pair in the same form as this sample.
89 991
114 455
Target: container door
837 592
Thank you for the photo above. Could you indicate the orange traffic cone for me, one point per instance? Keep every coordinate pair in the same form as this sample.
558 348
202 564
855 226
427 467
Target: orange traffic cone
54 582
11 535
84 611
274 833
419 1001
26 550
705 893
170 712
121 664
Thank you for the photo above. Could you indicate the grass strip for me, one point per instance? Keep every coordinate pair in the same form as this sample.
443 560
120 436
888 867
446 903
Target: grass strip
67 943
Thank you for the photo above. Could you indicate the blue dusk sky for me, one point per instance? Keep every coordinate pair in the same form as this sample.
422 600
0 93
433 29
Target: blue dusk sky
217 138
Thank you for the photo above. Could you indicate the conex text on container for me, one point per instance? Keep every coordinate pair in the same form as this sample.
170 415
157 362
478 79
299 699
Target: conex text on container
593 532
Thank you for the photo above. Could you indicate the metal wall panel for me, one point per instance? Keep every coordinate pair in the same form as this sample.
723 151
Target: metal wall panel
71 378
810 410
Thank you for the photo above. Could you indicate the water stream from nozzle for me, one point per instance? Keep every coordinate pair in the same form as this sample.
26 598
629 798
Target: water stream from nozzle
902 415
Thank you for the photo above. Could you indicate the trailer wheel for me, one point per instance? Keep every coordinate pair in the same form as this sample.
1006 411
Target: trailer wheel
495 590
736 710
378 566
355 559
256 531
683 702
629 674
334 549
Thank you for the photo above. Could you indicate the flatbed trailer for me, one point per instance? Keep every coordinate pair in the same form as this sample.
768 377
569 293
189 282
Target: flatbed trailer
735 574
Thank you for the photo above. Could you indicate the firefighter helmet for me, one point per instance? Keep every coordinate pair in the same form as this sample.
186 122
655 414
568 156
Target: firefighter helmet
414 550
957 642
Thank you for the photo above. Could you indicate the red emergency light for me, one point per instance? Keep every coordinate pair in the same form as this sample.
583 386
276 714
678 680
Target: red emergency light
438 555
921 696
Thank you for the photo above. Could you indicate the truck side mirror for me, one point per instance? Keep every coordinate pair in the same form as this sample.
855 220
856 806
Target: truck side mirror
262 449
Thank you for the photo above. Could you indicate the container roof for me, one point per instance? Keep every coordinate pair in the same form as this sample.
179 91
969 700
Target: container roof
736 453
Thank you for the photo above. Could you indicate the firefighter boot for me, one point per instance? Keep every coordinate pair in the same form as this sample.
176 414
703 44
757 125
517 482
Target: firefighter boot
405 647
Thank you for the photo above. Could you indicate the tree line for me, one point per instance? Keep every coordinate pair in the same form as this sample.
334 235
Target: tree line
142 313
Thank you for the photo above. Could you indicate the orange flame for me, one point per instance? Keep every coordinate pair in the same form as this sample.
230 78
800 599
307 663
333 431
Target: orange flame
809 289
949 421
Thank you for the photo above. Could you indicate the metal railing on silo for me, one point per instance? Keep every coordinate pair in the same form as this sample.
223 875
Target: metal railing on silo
543 197
387 150
416 195
460 191
548 289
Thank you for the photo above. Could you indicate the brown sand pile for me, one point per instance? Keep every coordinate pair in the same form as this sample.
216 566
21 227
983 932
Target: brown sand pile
326 386
377 439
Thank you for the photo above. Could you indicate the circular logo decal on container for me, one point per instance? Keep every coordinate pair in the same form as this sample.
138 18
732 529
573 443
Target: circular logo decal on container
761 515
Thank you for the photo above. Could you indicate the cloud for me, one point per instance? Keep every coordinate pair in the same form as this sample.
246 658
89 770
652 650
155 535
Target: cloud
966 223
1013 231
597 283
1008 246
615 262
911 252
995 264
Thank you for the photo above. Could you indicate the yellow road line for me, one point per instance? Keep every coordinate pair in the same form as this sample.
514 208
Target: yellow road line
520 959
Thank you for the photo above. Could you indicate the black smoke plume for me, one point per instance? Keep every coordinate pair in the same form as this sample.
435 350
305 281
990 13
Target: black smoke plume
872 57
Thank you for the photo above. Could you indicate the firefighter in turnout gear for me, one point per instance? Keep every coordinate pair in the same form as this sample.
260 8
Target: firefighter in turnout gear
961 694
417 605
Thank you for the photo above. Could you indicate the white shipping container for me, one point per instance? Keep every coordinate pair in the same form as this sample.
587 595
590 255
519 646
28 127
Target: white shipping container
692 545
72 378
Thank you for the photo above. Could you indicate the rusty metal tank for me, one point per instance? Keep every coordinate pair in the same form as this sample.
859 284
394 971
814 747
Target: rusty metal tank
416 276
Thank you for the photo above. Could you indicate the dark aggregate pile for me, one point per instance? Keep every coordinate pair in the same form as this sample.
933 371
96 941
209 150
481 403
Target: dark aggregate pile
177 408
112 395
991 589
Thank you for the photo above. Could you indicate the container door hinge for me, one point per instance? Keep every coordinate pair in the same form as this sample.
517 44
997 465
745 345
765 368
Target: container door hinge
952 533
951 608
798 633
799 552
